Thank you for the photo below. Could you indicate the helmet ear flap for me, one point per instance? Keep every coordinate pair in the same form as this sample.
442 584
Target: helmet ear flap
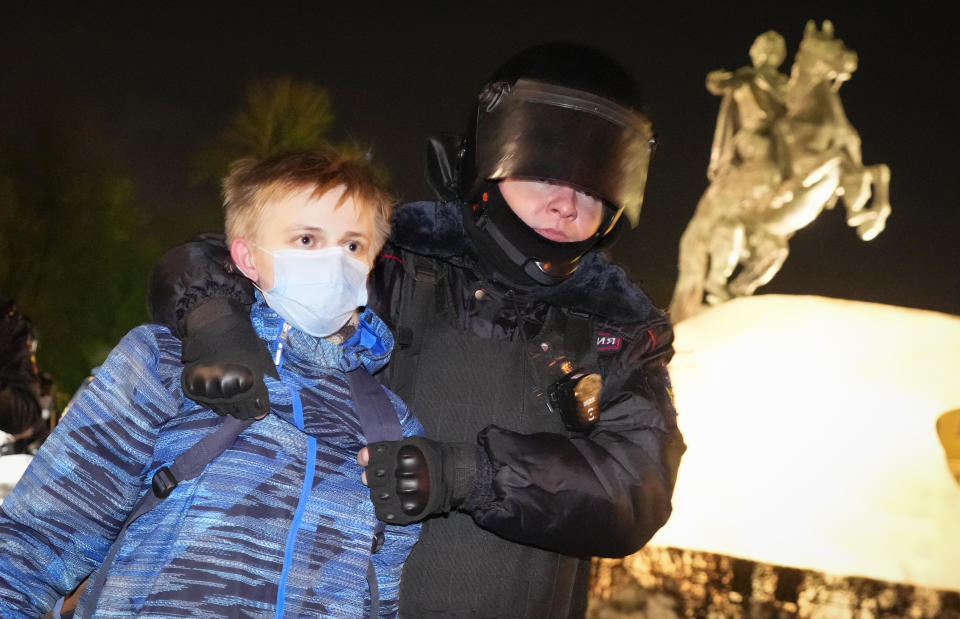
444 153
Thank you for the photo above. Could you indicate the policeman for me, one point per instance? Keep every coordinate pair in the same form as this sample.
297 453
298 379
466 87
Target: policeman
537 368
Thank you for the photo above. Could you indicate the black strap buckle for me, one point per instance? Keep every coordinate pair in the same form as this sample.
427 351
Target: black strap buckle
377 541
163 482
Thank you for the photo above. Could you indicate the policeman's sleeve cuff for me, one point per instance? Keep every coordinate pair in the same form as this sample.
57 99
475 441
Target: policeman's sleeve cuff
479 493
188 275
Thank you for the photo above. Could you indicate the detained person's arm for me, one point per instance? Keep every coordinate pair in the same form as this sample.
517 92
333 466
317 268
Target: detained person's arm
398 540
60 520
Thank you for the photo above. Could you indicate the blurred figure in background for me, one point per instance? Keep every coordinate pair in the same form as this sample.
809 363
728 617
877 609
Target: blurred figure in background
27 395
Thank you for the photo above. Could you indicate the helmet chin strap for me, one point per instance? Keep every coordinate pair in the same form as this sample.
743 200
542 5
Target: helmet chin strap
517 251
542 272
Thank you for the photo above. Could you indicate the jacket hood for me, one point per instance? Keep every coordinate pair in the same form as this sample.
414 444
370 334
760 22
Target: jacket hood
436 229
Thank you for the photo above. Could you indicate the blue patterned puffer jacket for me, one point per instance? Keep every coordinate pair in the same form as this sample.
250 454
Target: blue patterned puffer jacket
279 525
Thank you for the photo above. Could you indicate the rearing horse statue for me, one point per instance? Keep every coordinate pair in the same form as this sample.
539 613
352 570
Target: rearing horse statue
783 152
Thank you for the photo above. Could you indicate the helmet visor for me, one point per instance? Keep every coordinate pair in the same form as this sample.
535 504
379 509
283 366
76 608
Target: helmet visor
542 131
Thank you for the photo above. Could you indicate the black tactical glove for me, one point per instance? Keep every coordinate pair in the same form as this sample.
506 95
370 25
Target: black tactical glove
224 360
415 477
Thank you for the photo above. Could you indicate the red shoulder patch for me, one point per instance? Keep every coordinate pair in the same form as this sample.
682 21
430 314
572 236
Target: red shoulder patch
608 342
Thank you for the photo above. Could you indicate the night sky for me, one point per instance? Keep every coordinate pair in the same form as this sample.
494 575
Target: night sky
166 76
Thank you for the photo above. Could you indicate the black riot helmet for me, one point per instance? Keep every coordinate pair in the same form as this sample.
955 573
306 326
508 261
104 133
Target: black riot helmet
557 112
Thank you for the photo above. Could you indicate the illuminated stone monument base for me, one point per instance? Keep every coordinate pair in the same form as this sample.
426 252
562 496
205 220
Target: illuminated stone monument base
812 443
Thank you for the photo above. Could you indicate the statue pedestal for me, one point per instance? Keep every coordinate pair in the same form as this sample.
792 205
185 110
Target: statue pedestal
812 445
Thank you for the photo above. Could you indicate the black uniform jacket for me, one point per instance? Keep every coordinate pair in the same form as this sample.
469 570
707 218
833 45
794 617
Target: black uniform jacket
603 493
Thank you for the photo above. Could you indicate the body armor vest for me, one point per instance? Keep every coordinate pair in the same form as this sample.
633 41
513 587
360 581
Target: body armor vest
457 383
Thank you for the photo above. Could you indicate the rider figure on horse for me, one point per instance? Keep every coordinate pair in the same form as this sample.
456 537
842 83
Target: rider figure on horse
783 152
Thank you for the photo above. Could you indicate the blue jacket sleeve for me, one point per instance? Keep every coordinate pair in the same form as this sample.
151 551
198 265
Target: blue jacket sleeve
60 520
398 540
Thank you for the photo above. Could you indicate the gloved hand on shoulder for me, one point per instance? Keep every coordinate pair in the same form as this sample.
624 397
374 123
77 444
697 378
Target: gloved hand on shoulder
224 360
197 293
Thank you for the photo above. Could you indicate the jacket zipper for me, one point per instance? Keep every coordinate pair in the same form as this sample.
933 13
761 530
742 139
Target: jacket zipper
307 479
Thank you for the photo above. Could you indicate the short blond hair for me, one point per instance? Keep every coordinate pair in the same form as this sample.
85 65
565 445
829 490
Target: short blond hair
252 183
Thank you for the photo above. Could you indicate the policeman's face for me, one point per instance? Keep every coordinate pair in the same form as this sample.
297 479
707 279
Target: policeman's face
555 211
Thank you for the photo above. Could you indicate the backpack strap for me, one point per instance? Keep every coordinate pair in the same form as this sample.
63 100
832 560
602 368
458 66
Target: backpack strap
377 415
378 421
417 311
579 337
186 466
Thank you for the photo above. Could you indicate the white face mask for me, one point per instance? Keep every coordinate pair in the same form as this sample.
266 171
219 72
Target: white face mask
316 291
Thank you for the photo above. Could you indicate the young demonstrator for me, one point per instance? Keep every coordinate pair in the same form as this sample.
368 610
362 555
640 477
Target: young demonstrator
273 520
